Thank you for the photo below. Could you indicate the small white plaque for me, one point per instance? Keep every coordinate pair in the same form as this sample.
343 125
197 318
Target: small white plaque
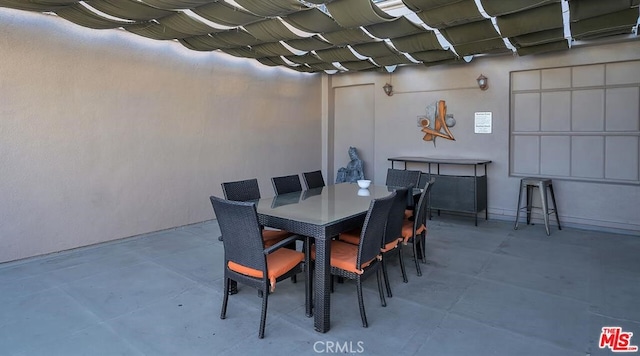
483 122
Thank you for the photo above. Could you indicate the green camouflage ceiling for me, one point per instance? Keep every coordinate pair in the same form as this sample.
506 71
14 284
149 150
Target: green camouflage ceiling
355 35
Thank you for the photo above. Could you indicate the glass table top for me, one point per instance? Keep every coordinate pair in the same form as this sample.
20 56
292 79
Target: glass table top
322 206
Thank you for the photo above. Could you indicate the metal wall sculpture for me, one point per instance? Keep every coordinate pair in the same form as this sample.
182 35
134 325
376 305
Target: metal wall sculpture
436 122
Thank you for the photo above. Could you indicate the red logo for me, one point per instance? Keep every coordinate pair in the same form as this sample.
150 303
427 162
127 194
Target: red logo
617 340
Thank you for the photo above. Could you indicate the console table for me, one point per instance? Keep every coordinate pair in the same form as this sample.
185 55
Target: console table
466 194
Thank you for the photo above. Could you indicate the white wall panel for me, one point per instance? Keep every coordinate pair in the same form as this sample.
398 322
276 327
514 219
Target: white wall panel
622 158
623 108
555 111
555 155
587 157
587 110
527 117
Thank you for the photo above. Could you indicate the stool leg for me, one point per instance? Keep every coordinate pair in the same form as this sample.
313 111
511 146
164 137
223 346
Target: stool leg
555 207
515 226
545 206
529 196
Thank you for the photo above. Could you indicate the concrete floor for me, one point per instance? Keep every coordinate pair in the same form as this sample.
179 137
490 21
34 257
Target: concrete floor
486 290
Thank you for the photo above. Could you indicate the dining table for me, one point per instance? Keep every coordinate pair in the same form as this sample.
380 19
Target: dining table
320 214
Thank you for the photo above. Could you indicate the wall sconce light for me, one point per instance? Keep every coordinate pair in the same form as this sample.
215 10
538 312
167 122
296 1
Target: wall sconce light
388 89
483 82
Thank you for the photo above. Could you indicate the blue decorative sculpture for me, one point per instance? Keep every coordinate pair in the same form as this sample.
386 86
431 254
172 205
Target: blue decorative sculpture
354 169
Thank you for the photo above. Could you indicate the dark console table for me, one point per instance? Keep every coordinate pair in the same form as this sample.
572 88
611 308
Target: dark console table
452 192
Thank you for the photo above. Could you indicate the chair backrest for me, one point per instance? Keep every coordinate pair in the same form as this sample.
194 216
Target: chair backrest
286 184
243 243
313 179
420 214
393 230
402 178
424 180
373 229
242 190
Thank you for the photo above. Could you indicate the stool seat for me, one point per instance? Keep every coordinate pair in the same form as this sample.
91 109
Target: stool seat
535 181
544 185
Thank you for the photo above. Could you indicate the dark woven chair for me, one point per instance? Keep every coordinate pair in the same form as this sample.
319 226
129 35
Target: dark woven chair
391 243
313 179
414 230
247 190
242 190
286 184
393 236
402 178
424 179
245 258
358 262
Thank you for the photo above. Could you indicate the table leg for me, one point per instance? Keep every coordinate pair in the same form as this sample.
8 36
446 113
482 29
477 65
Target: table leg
309 275
486 209
322 286
475 193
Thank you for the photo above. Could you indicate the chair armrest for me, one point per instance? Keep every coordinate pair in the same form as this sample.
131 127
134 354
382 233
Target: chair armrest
280 244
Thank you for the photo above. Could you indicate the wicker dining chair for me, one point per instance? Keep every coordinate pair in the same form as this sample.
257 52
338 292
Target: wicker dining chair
241 190
414 230
424 180
358 262
402 177
246 190
246 260
313 179
391 243
286 184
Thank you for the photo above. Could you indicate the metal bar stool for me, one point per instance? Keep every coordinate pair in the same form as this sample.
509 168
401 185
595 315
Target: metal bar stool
543 186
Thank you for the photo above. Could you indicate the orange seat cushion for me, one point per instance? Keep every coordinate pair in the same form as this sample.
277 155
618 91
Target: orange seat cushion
408 213
344 256
407 230
352 237
279 262
391 245
271 237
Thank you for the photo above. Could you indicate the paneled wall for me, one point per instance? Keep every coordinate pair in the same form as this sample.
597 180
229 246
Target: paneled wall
579 122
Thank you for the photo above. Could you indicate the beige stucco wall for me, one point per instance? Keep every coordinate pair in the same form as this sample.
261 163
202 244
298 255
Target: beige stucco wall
589 205
105 135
